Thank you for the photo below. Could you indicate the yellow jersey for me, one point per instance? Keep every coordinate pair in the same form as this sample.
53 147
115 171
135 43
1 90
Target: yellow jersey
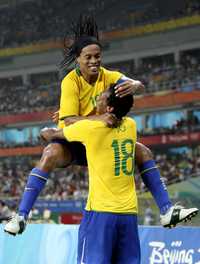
110 155
78 97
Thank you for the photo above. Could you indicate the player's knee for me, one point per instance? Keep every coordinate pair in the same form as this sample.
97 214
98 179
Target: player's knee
50 156
142 153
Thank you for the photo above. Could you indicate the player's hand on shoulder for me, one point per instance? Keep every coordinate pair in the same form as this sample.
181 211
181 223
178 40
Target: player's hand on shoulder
47 133
128 87
55 117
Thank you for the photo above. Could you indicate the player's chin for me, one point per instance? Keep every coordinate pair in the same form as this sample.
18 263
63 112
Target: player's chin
94 71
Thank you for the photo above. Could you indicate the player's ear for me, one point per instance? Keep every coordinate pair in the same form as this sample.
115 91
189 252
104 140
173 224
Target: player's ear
109 109
77 62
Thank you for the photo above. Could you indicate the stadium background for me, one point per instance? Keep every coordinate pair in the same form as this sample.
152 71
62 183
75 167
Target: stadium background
154 41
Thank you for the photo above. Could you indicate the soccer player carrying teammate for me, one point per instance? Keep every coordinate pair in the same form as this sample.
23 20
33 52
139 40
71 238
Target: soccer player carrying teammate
109 231
79 91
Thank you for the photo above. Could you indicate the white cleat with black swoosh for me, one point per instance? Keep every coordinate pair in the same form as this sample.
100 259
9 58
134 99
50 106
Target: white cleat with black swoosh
177 214
16 225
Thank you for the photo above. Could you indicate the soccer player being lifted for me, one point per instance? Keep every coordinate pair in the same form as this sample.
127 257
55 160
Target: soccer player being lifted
79 90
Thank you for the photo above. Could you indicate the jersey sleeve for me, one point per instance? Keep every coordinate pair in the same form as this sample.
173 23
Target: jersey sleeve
115 77
122 79
69 101
79 131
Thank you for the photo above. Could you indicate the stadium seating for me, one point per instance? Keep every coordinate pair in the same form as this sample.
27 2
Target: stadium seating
33 21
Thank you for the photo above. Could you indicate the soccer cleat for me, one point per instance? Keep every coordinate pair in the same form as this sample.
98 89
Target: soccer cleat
177 214
16 225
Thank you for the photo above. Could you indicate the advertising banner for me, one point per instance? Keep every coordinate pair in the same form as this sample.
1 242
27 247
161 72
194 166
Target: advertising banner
171 139
170 246
61 206
57 244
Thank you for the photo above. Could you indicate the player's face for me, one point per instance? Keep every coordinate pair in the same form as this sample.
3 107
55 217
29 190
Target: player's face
90 60
102 102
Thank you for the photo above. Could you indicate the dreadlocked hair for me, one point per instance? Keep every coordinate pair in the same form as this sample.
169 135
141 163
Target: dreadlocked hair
121 105
85 32
86 26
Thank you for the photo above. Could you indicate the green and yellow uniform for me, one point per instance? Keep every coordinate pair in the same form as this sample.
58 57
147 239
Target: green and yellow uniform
110 154
78 97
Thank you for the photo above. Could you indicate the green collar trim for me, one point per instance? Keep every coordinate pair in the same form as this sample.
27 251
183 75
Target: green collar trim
78 72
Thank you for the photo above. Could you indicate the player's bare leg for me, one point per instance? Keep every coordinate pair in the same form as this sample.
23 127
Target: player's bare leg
54 155
142 154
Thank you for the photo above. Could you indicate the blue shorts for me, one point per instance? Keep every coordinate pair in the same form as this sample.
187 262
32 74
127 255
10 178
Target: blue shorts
76 149
108 238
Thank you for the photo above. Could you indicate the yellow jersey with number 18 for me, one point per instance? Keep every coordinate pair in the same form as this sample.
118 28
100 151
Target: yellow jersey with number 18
110 156
78 97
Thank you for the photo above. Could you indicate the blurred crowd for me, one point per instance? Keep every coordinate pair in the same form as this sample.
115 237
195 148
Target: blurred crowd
62 184
28 98
175 167
72 182
40 20
161 73
177 77
65 184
